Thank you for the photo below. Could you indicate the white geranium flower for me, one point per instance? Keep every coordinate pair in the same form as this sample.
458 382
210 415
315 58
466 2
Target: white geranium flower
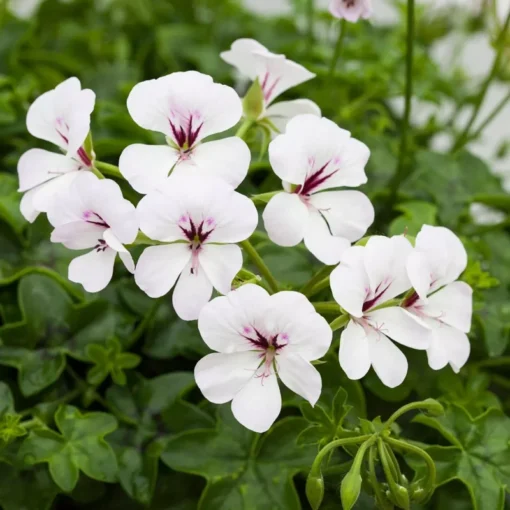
367 278
312 156
351 10
436 262
200 218
259 338
276 74
186 107
93 214
60 116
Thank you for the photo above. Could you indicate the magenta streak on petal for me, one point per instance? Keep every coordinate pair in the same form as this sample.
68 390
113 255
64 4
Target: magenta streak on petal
186 138
196 237
263 343
314 180
96 219
411 300
367 305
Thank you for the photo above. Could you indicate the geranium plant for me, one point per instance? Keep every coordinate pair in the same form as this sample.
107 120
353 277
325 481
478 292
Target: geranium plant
234 274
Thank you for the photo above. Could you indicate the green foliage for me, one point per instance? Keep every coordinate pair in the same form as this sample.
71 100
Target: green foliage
98 405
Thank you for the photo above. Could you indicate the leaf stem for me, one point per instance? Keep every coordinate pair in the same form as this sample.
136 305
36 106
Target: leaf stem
428 404
400 174
310 18
327 307
317 277
338 48
261 265
108 169
464 136
340 322
317 287
263 198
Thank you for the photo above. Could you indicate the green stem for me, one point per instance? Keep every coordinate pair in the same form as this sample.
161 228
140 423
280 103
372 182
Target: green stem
489 118
379 494
320 285
47 272
317 277
428 404
402 445
494 362
400 174
464 136
340 322
108 169
387 468
338 48
261 265
144 324
316 466
96 172
244 128
310 18
327 307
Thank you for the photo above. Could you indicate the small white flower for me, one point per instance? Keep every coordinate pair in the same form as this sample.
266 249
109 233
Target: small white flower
24 9
436 262
186 107
351 10
276 74
93 214
60 116
368 277
312 156
200 218
257 338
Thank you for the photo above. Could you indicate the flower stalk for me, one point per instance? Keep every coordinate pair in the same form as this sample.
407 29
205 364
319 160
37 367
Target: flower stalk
261 265
338 48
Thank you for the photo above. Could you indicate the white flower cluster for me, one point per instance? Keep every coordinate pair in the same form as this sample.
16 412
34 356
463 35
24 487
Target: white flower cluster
192 218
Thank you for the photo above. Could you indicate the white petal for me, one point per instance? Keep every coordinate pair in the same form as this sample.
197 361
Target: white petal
192 292
444 252
48 195
159 267
37 166
401 326
128 261
221 376
227 159
449 345
278 74
235 216
258 403
112 241
300 376
93 270
146 167
349 281
222 321
282 112
309 143
62 115
221 263
350 168
285 219
388 360
352 13
180 99
419 273
348 213
452 305
385 263
318 239
354 354
27 207
241 56
77 235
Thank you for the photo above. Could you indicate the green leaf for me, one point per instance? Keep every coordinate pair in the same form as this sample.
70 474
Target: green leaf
9 202
80 446
415 215
240 467
479 457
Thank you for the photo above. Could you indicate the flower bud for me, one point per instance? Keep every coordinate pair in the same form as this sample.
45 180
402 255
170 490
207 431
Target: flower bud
401 497
350 489
315 490
433 407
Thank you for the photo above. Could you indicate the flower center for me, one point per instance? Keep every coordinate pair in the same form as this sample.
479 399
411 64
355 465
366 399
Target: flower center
268 345
185 126
373 297
101 245
197 234
349 3
62 129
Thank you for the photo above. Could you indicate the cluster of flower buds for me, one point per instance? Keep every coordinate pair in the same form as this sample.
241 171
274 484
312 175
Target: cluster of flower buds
193 219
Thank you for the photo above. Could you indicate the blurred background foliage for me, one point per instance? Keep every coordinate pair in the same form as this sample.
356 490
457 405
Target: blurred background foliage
60 347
